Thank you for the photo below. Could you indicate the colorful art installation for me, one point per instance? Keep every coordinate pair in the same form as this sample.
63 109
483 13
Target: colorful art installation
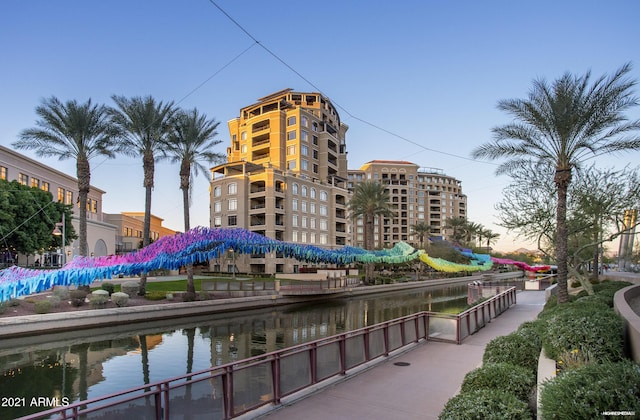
202 244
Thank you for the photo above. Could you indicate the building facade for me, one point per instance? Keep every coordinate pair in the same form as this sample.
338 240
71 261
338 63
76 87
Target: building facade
417 195
130 227
285 178
63 188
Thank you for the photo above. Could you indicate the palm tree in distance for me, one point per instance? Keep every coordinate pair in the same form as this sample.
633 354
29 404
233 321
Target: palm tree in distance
189 144
422 230
491 237
79 131
145 124
370 199
457 225
561 125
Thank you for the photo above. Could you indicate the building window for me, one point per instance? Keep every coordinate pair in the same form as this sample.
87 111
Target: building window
304 221
243 135
323 224
3 173
304 207
312 223
291 120
44 186
291 150
294 188
233 204
323 210
312 208
68 198
294 221
294 204
303 237
23 179
60 195
304 136
315 154
314 127
232 221
304 164
217 206
35 183
304 150
233 188
323 196
312 238
324 239
304 121
314 140
243 148
291 135
312 192
291 164
217 221
294 236
217 191
315 168
304 190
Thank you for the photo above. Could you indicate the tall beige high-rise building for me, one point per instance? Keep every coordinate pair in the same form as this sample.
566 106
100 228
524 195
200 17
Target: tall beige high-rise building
417 195
285 178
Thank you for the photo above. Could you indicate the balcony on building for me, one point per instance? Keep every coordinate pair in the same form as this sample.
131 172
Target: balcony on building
257 203
257 220
341 214
257 187
260 126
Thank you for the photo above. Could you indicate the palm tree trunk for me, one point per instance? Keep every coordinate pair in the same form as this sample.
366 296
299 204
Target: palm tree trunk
185 181
369 244
148 168
84 181
562 180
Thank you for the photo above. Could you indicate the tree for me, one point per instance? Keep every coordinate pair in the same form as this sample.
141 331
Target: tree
561 125
422 229
27 217
189 143
77 131
370 199
457 225
145 126
490 236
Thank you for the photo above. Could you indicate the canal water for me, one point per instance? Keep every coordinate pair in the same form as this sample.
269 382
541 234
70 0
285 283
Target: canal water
91 363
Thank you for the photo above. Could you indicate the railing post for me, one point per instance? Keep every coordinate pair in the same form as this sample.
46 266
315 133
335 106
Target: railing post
313 360
342 343
227 392
162 410
275 378
385 334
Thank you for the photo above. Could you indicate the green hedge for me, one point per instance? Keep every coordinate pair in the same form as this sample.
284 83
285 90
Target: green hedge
585 328
589 391
515 349
485 404
516 380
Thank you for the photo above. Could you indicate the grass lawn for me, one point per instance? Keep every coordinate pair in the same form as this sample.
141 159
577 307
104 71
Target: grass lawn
179 285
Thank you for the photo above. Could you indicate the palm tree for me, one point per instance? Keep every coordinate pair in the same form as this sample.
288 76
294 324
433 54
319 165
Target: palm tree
422 229
80 131
562 125
369 199
458 226
145 126
189 144
491 237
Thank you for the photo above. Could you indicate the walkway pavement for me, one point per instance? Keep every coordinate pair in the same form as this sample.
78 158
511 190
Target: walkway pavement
417 391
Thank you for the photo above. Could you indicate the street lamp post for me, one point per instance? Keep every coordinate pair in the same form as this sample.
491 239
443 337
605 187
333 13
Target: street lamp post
62 233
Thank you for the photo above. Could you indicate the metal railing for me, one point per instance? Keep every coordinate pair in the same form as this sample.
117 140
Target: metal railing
236 388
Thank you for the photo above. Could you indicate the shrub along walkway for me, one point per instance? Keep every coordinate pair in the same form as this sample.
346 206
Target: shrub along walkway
421 389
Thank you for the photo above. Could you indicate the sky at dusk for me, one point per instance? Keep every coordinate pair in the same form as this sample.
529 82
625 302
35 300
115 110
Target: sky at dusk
413 80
